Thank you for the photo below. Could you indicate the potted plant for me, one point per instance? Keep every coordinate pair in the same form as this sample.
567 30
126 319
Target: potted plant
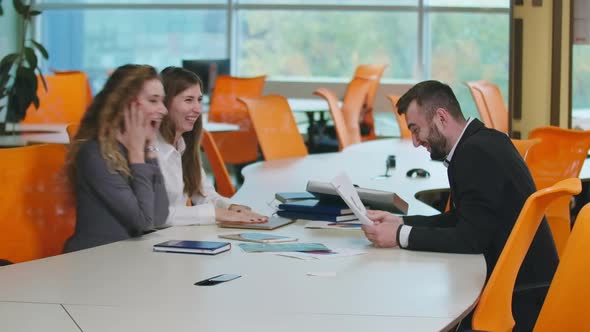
18 79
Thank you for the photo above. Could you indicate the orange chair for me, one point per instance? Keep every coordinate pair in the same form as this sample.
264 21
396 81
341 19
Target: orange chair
482 109
405 133
566 304
72 130
222 179
37 215
346 119
373 73
560 155
523 146
84 76
65 100
236 147
494 103
345 138
275 127
494 310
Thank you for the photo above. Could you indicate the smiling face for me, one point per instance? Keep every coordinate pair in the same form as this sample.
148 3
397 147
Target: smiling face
426 133
185 109
150 101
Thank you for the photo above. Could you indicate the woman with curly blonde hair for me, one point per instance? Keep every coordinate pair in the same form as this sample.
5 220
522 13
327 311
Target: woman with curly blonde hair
180 158
112 163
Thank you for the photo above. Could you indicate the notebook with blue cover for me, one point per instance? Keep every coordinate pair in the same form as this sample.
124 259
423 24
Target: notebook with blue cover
286 197
316 206
193 247
315 216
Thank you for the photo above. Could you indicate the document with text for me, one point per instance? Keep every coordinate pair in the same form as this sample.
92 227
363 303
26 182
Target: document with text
343 186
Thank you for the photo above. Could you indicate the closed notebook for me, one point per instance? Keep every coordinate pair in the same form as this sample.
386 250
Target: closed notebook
193 247
315 216
285 197
315 206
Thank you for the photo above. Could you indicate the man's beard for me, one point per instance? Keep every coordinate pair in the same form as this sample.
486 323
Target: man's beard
438 144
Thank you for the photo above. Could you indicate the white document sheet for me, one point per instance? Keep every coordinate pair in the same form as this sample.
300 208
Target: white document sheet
343 185
335 253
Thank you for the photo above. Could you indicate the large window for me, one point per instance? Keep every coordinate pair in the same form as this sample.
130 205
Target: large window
302 44
288 40
581 86
468 48
97 41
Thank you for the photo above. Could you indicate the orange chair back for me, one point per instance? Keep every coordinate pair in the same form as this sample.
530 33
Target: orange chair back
373 73
494 310
65 100
346 119
405 133
560 155
566 304
523 146
236 147
37 215
84 77
482 109
352 105
275 127
494 104
222 179
342 130
72 130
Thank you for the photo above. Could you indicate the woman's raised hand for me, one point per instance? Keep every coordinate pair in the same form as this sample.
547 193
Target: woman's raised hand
134 133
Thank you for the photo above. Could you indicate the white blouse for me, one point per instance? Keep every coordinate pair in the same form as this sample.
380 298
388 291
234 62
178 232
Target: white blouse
203 210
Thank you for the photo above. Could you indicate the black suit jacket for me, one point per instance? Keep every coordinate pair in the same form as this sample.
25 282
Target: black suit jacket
489 184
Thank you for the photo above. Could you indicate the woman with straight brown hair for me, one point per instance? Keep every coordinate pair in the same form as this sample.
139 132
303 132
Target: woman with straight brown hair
179 144
112 163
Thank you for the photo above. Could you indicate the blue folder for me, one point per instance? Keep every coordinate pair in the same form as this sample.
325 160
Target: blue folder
315 206
315 216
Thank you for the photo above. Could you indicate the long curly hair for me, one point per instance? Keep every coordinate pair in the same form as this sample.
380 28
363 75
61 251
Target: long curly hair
104 117
175 81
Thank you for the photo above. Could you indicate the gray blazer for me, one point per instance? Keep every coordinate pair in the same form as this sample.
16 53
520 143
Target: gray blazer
111 207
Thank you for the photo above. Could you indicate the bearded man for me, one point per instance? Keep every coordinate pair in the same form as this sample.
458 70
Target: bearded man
489 183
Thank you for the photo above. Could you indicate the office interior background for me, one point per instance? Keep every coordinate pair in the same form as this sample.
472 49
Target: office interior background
298 44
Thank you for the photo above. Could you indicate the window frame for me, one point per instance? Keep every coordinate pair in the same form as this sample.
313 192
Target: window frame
422 9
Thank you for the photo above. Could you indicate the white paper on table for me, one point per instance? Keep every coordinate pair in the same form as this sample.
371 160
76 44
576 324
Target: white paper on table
335 253
353 225
343 186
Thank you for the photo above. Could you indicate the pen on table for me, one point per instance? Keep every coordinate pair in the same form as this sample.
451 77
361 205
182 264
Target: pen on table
344 224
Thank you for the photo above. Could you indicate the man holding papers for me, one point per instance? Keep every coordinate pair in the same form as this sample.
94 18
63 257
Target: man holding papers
489 184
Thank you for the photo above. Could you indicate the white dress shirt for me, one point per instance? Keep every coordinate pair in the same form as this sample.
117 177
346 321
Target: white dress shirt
203 210
404 232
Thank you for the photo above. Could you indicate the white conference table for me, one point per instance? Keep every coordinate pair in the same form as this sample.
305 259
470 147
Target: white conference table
309 104
27 134
27 317
125 286
363 162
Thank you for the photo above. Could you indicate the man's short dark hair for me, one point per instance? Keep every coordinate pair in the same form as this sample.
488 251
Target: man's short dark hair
431 95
